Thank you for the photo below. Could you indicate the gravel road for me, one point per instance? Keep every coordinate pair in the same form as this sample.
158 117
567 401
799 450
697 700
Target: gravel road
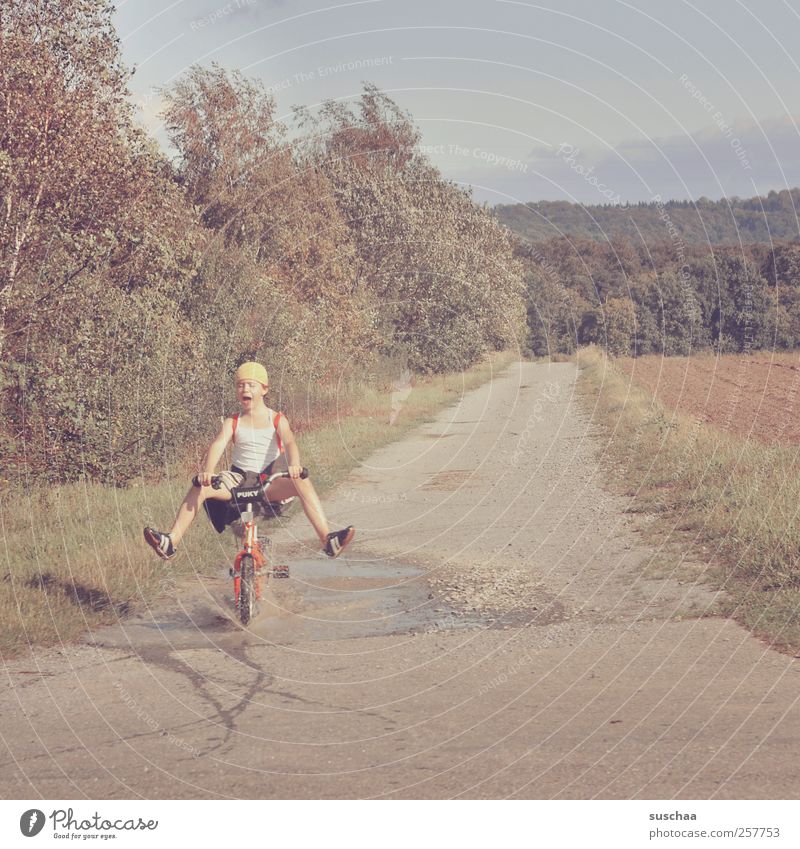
497 629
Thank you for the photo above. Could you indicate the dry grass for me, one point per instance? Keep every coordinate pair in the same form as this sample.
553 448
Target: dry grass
733 502
73 556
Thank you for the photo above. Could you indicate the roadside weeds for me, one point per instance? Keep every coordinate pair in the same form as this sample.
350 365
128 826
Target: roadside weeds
731 502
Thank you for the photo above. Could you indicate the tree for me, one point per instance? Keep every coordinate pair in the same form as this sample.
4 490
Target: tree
78 181
672 303
376 132
443 280
278 269
239 169
743 325
94 232
552 311
620 325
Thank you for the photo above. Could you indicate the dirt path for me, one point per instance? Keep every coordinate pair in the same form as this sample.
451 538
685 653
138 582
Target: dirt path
490 635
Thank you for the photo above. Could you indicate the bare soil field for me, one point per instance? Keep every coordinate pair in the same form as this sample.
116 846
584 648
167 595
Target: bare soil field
754 396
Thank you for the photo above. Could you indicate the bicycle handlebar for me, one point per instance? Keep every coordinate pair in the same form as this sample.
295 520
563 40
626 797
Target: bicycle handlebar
216 480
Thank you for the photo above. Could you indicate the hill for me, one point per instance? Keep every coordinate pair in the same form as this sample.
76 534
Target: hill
726 221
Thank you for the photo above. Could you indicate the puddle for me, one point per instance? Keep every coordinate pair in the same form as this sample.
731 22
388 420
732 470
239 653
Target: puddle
322 599
338 599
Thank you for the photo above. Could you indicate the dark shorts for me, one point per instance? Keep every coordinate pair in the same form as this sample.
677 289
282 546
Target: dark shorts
223 513
235 476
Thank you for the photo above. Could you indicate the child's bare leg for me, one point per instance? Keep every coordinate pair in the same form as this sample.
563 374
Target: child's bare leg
304 489
191 507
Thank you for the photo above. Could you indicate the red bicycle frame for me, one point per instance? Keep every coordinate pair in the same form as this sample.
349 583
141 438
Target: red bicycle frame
252 546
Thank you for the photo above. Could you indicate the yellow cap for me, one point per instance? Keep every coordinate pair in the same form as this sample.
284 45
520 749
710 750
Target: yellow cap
251 371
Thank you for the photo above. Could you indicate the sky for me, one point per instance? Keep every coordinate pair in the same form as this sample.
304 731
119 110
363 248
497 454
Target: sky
588 101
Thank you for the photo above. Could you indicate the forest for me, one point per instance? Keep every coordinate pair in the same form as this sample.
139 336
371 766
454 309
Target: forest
667 277
667 297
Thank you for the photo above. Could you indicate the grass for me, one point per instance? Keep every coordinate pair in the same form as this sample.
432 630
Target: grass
73 555
731 502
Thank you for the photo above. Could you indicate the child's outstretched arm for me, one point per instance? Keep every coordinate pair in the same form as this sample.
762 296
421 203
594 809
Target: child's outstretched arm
290 448
215 452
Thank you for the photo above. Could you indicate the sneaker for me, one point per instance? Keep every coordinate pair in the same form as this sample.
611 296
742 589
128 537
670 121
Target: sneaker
338 541
160 543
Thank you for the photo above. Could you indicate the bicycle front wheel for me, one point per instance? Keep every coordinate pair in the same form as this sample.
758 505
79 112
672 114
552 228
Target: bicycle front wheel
247 589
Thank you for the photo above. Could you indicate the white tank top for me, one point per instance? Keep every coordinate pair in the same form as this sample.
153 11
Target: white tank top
255 448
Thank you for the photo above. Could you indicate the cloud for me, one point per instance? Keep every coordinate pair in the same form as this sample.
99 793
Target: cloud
741 158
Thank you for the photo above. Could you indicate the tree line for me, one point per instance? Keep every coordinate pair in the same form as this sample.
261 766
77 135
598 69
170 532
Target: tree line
664 298
132 284
730 221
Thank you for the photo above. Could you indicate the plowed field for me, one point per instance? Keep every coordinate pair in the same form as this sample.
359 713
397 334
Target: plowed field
752 396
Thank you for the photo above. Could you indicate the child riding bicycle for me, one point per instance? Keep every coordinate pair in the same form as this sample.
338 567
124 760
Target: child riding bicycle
260 436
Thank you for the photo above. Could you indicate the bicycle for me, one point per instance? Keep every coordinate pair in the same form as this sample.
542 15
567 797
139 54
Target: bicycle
250 565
